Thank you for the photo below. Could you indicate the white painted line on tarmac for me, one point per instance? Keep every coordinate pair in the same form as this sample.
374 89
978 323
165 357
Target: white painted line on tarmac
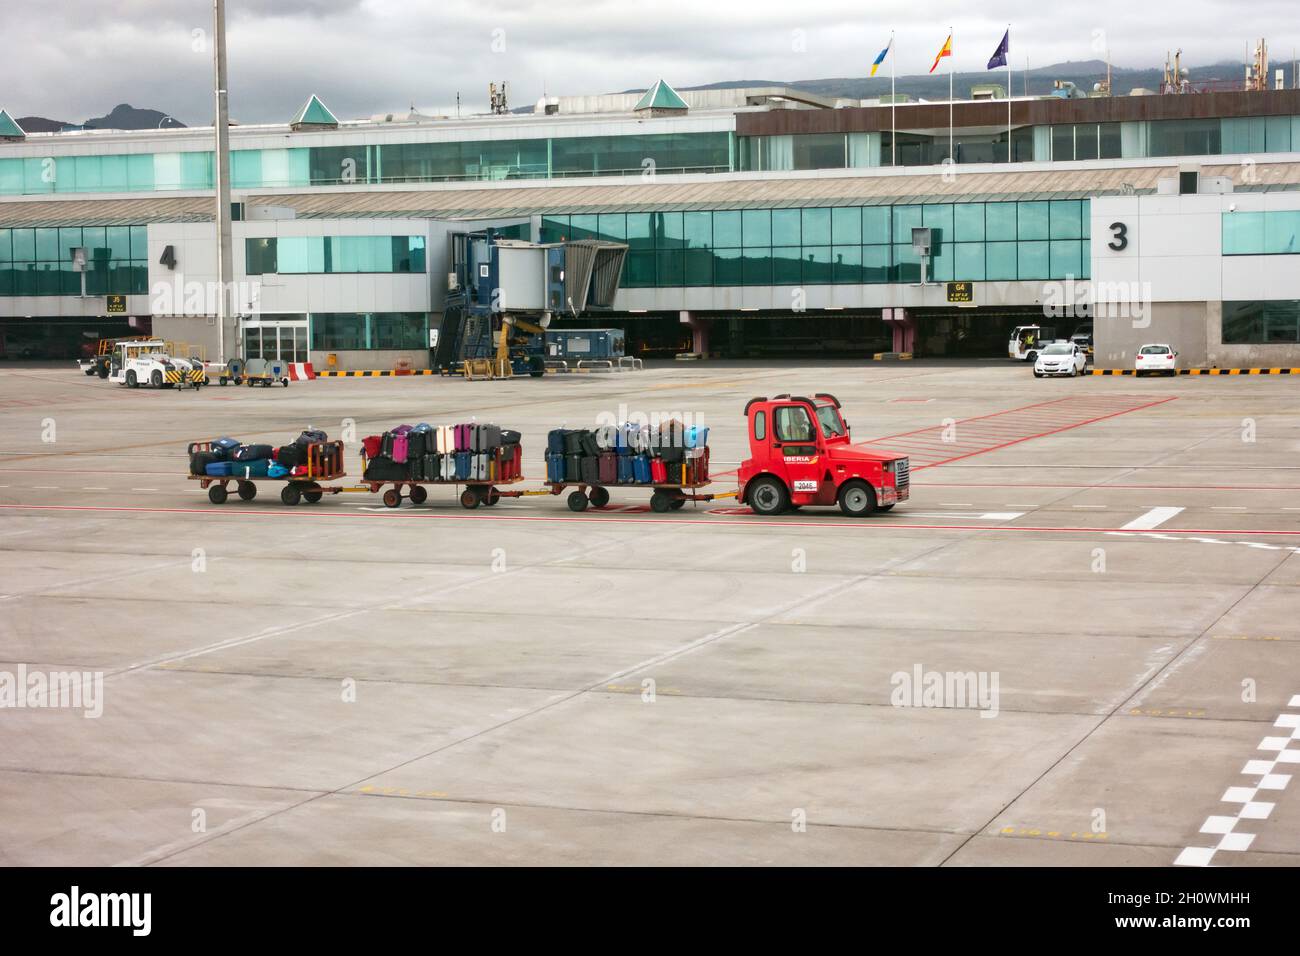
144 489
1229 508
1088 506
977 516
1224 826
94 488
1152 519
957 504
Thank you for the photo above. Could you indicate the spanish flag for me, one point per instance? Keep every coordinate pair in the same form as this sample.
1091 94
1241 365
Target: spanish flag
946 51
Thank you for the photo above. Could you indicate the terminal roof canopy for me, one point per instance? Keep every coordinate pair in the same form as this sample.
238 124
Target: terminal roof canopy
314 115
9 128
661 96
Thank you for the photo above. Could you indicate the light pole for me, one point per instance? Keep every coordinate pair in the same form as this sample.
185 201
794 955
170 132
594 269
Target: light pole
221 172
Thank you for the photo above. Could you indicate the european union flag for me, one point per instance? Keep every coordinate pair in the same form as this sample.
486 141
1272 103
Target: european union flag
999 57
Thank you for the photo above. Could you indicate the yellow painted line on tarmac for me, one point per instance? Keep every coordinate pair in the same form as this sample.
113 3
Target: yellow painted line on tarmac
1163 712
1052 834
401 792
1246 637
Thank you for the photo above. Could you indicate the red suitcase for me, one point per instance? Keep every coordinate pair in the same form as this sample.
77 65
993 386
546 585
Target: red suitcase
658 471
607 467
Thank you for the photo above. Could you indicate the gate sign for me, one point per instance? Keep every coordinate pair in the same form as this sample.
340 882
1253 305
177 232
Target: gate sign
961 292
116 304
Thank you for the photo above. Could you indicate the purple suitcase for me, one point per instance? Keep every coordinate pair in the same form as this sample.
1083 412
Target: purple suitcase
400 443
465 437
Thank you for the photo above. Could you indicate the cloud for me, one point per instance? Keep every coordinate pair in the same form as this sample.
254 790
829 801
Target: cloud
79 58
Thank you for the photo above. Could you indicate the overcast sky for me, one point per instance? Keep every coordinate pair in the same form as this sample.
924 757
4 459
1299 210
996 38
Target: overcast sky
73 59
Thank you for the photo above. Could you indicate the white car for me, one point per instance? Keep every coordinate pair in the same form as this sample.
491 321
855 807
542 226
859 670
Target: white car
1060 358
1156 357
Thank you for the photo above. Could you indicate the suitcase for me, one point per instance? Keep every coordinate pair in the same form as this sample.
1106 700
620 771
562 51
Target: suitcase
401 446
277 470
445 440
624 469
310 437
382 468
675 473
463 465
672 455
573 468
290 455
641 469
590 470
487 437
658 471
695 437
225 447
555 469
478 466
447 466
372 444
252 452
418 442
509 437
218 469
199 461
555 441
573 441
607 437
464 437
256 468
588 443
607 467
507 459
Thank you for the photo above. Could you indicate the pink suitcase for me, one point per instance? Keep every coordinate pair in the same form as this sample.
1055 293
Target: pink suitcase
464 437
400 443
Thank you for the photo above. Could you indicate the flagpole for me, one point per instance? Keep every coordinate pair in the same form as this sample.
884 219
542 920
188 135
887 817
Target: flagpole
1007 54
951 156
893 105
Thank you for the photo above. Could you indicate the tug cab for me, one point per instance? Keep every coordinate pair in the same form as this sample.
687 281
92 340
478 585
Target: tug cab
801 454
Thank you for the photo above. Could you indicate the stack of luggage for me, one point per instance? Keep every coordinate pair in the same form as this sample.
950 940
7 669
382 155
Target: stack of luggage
467 452
311 453
629 454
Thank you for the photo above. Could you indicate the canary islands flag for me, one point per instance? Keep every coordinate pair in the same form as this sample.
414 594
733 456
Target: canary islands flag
945 51
881 59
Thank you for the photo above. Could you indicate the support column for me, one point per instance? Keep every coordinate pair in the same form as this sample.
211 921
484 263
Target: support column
699 332
904 328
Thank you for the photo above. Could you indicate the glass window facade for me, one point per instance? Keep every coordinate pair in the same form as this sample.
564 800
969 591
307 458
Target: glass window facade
843 244
39 261
1274 233
1275 322
323 255
349 331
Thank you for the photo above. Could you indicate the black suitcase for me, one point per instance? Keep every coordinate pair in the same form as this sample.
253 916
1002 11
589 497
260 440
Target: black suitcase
573 442
672 455
573 468
291 456
675 473
589 446
382 468
509 437
590 470
199 461
253 452
310 437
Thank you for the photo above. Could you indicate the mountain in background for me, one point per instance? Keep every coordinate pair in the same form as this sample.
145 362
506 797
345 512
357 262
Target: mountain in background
122 116
1038 82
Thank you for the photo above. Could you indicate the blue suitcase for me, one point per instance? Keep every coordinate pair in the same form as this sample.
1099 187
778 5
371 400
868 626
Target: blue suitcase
624 469
258 468
555 468
463 461
696 436
218 469
641 469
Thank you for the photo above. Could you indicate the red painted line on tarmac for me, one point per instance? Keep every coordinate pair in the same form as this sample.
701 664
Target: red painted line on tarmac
858 524
1101 487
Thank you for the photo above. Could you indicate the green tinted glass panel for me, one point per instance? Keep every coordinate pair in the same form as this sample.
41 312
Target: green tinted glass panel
846 264
612 227
757 267
817 268
669 230
1032 259
640 233
726 229
1066 258
1031 220
671 268
968 260
6 246
1280 229
875 225
968 222
698 228
139 243
939 216
1000 260
1000 221
1066 219
47 244
24 245
906 265
699 267
1243 233
639 272
906 218
726 266
816 227
757 230
787 267
786 228
875 264
846 225
582 227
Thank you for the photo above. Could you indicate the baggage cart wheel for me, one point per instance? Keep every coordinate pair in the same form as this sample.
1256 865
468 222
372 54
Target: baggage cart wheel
313 494
677 503
599 497
577 501
290 495
392 497
469 498
767 496
660 502
857 499
217 494
247 490
418 494
491 497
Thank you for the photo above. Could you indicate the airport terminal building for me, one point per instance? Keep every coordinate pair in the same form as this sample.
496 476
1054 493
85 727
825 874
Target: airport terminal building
759 222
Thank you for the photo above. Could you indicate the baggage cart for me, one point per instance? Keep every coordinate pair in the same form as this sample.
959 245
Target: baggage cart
472 491
324 463
664 497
